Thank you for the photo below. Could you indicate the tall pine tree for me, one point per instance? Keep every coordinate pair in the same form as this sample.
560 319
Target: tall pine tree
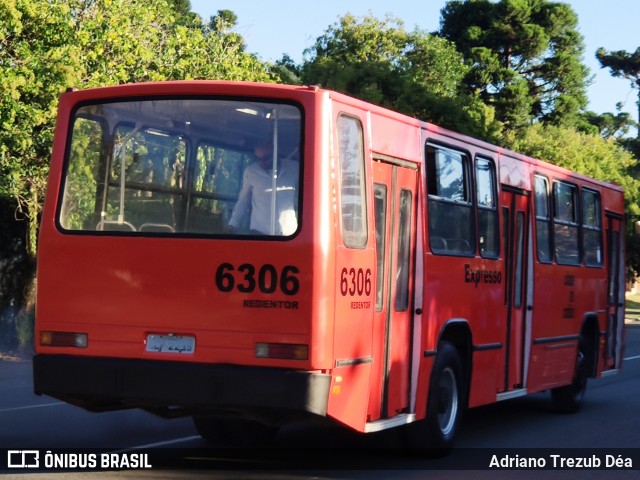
525 58
624 65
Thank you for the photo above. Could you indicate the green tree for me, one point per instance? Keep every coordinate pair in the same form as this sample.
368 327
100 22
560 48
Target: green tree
38 60
360 57
224 21
623 64
182 11
525 58
591 155
49 45
287 71
413 72
609 125
208 51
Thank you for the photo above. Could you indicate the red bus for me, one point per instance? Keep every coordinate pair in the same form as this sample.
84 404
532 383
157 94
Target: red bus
253 254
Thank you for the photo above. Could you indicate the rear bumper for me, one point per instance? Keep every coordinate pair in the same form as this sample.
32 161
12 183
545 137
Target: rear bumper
110 383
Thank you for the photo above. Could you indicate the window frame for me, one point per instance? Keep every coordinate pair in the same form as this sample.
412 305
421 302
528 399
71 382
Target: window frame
351 238
435 200
495 254
380 194
569 225
586 227
403 250
539 219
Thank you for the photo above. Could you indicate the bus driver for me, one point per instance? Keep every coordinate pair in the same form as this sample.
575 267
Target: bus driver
271 212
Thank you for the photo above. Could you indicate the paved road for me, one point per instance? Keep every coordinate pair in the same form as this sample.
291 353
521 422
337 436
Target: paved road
609 420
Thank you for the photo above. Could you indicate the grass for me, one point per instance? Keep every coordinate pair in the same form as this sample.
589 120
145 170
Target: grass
633 307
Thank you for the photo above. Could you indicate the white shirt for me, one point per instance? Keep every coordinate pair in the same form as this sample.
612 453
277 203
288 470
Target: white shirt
256 196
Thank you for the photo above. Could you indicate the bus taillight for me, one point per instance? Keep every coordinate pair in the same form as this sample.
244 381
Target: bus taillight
283 351
64 339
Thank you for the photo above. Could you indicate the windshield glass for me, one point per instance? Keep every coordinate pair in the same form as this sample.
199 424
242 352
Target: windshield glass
184 166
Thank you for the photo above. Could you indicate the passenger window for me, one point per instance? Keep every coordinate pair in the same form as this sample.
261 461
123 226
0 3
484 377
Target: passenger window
451 223
83 183
404 252
565 226
543 219
488 229
591 228
518 283
352 186
380 206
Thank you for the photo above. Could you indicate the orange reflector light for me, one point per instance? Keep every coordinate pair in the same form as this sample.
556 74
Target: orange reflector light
283 351
64 339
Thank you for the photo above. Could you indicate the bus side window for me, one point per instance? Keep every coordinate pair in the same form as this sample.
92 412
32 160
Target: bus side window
488 231
591 228
352 185
451 223
84 187
543 219
380 206
565 223
404 242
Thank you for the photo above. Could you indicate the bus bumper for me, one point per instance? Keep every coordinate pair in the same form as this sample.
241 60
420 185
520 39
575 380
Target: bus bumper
102 384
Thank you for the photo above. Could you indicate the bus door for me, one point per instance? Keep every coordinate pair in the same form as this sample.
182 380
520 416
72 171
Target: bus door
395 193
515 216
615 295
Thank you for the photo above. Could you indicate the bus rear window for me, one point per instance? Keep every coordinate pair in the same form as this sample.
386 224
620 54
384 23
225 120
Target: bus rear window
184 166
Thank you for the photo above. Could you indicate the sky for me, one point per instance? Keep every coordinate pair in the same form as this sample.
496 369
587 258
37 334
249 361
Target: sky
271 28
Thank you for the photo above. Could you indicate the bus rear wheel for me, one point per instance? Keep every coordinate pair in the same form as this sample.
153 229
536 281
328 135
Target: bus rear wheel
224 432
435 435
569 399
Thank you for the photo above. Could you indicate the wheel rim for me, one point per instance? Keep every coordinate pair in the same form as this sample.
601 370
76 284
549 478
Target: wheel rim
447 401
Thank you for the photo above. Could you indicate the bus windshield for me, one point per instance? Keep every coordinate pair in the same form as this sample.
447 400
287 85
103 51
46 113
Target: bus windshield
183 166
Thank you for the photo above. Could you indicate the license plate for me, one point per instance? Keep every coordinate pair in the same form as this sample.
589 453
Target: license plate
183 344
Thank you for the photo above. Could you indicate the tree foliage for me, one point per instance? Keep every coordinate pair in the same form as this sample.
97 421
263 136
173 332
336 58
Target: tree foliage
609 125
623 64
37 60
182 12
412 72
49 45
525 58
591 155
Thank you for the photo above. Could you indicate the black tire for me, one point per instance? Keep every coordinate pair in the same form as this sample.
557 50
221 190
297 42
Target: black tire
570 398
223 432
436 434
